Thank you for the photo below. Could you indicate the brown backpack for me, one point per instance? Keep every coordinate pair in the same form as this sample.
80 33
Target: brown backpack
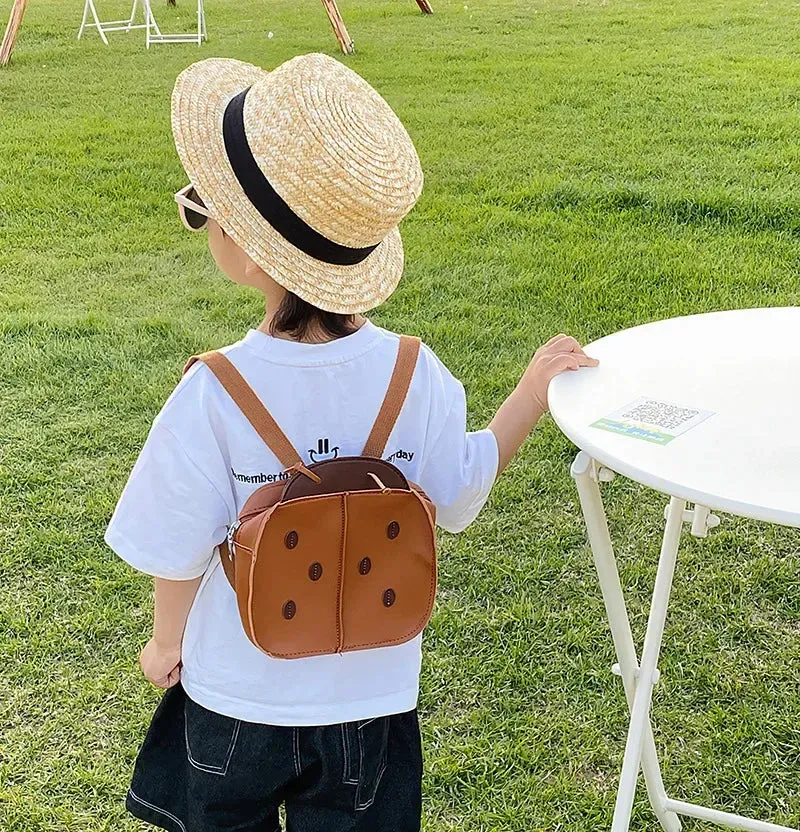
342 555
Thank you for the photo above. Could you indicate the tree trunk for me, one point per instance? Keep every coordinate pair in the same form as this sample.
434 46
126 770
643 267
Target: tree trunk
11 31
425 6
339 29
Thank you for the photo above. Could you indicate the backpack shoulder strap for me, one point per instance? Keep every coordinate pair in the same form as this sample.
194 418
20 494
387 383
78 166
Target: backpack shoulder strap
251 406
399 384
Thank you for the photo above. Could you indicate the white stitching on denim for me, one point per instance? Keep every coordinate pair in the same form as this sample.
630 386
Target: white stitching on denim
220 770
156 809
360 807
347 777
360 765
298 763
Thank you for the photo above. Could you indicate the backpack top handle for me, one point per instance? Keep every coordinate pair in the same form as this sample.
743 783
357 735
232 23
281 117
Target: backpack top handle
268 429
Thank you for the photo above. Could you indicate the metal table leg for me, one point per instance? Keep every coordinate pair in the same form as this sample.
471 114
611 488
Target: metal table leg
583 470
639 681
640 712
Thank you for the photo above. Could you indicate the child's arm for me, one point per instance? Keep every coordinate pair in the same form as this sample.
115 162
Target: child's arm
161 657
520 412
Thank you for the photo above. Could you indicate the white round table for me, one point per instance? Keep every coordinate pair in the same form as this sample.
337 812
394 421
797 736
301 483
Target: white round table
732 378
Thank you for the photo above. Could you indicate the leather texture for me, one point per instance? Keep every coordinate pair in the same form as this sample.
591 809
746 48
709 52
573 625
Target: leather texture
399 384
346 474
340 557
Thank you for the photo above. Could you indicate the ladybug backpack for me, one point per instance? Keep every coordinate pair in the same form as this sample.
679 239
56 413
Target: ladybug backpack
342 555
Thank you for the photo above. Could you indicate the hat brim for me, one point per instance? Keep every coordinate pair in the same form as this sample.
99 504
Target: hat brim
201 94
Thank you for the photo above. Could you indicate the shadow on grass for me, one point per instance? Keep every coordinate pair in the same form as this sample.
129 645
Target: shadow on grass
720 210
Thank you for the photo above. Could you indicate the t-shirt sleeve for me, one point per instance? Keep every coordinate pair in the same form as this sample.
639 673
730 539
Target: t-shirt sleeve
460 467
170 516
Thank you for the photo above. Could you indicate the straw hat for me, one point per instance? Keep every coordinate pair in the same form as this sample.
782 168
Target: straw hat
307 168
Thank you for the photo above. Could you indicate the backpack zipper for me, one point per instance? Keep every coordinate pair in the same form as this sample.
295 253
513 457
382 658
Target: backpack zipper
232 529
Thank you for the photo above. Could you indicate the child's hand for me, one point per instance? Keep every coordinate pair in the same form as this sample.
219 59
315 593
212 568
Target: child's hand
520 412
161 665
559 354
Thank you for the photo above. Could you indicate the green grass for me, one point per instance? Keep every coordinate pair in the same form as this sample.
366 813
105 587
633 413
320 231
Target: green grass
590 164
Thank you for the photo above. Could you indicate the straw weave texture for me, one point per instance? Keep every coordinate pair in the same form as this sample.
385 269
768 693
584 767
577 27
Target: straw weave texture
333 150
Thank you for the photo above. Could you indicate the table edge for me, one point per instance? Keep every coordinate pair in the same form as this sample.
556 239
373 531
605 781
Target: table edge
670 489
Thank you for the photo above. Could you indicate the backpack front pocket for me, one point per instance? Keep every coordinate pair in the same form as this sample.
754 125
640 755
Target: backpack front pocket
210 738
366 745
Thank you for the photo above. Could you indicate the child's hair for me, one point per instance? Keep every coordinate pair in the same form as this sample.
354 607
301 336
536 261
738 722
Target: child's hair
297 318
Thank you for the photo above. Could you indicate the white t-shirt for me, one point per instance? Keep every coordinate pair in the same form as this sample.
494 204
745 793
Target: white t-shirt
201 462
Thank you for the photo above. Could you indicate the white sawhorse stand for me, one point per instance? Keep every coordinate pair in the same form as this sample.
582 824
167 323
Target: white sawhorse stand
110 25
154 33
741 460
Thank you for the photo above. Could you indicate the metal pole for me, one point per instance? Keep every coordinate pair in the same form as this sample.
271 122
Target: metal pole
83 22
97 22
603 553
640 712
132 18
726 818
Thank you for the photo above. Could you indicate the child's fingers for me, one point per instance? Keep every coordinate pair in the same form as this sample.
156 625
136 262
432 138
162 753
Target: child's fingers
158 681
161 674
573 360
564 343
554 340
172 678
570 344
561 362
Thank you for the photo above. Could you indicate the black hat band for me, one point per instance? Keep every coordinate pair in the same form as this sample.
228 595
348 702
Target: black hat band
268 202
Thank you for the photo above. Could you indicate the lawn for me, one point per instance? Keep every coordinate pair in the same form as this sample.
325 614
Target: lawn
590 165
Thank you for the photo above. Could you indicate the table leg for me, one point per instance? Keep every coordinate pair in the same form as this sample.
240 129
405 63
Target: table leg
602 550
640 712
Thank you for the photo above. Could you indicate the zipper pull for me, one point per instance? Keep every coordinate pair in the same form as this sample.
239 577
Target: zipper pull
300 468
382 487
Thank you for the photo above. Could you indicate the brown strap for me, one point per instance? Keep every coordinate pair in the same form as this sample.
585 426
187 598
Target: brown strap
258 415
402 374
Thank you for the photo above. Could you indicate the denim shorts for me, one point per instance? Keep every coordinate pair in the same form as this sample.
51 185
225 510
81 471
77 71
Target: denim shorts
199 771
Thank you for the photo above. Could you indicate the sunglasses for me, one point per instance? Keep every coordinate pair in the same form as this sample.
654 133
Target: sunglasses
193 212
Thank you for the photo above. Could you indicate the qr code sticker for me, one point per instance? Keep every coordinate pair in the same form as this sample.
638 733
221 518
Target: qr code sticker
660 414
653 420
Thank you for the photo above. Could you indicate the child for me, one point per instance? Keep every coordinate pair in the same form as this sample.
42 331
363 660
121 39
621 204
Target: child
301 177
